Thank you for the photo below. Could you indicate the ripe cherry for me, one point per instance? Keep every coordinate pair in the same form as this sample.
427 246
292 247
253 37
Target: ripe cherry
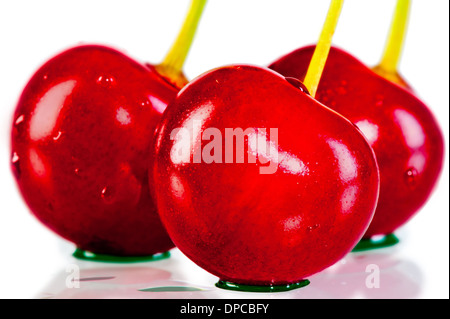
260 184
403 132
244 225
81 139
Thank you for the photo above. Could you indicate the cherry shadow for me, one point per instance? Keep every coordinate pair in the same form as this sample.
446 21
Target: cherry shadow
377 274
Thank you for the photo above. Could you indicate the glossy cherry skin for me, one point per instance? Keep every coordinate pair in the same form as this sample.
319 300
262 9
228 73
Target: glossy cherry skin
81 139
250 227
401 129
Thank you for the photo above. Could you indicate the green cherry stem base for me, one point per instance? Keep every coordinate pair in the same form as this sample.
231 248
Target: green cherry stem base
371 243
255 288
86 255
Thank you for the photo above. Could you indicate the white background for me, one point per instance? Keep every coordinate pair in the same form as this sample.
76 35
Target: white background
232 31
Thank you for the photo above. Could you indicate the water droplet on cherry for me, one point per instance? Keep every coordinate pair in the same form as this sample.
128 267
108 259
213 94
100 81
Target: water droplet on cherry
19 119
106 81
14 158
146 103
411 176
108 194
311 228
57 136
15 164
297 84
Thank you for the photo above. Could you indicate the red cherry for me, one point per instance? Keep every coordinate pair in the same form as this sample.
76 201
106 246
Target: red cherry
81 141
401 129
300 206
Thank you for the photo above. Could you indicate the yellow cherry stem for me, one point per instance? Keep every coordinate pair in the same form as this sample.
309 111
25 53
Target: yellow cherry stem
323 46
172 65
396 38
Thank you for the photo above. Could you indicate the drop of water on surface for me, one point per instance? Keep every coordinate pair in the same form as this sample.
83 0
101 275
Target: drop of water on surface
14 158
297 84
45 77
106 81
57 136
411 176
19 119
15 162
311 228
108 194
145 103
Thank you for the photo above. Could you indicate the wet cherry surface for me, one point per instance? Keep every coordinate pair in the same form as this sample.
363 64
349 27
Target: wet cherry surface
289 194
403 132
81 138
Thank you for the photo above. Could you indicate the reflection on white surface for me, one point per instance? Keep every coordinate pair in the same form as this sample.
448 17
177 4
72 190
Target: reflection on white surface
178 278
350 277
